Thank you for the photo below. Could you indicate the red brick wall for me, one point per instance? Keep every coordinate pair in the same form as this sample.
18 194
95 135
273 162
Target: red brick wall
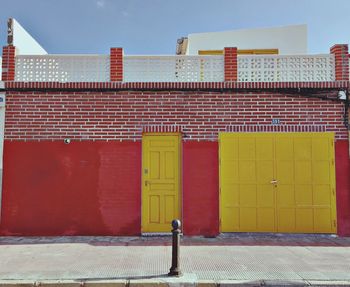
124 115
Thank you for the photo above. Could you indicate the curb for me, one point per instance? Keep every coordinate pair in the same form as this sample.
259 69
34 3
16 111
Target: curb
167 282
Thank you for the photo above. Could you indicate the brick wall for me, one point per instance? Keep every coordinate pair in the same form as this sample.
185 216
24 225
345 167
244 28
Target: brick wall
8 63
341 57
126 114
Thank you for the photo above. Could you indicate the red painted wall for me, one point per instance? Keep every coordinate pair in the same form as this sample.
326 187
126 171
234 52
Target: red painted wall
201 188
83 188
342 167
93 188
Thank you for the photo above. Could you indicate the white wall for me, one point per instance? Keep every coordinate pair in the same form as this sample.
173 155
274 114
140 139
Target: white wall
25 44
288 39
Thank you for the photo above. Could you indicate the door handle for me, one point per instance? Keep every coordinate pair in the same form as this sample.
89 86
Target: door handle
146 182
274 181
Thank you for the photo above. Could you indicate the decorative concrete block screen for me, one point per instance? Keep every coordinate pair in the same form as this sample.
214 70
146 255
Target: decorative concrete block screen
173 68
277 68
251 68
62 68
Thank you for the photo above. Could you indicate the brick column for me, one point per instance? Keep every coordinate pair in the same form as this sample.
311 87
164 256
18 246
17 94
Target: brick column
230 57
116 65
8 63
341 54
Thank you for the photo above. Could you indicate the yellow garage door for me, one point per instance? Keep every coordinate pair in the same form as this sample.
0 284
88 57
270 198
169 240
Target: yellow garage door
160 181
277 182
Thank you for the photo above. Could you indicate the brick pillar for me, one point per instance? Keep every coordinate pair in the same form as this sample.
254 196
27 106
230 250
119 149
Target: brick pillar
230 57
116 65
341 54
8 63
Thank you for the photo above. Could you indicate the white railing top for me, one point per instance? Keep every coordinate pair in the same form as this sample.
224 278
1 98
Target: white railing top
173 69
62 68
202 68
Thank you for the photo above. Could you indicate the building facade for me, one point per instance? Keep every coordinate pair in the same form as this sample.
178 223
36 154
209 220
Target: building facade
121 145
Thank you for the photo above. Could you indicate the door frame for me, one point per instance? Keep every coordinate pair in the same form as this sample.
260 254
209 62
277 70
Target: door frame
180 166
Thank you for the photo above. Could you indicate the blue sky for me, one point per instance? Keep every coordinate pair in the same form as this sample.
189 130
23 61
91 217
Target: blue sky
152 26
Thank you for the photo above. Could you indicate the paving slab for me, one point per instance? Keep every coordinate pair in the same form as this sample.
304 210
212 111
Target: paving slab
131 261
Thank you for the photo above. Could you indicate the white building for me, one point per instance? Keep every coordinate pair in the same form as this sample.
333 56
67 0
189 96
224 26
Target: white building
288 40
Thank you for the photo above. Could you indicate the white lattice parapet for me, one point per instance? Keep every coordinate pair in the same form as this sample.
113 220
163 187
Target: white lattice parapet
62 68
277 68
173 68
251 68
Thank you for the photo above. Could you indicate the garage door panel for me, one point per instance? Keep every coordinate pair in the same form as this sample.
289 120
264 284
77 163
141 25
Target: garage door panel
321 172
302 148
230 194
265 195
284 147
230 219
286 219
230 171
323 223
285 171
264 171
247 194
320 148
247 171
246 148
303 172
304 220
266 219
264 148
322 195
247 219
303 195
229 148
285 195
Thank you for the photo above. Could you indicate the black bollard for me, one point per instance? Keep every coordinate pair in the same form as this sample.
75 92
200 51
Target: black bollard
175 260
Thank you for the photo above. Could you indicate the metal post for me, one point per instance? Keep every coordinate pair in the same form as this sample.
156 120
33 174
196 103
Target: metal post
175 260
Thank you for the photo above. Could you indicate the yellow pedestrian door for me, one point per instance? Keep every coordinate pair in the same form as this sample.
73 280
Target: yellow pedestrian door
160 181
277 182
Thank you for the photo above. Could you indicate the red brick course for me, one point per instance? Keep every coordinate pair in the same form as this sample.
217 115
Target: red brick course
124 115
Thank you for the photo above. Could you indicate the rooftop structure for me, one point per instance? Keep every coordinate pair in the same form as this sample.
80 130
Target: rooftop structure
288 40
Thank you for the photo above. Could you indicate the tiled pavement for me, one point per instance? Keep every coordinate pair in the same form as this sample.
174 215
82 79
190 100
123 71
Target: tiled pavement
248 258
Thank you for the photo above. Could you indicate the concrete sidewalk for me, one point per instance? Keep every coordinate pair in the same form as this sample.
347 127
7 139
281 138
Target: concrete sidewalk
254 260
